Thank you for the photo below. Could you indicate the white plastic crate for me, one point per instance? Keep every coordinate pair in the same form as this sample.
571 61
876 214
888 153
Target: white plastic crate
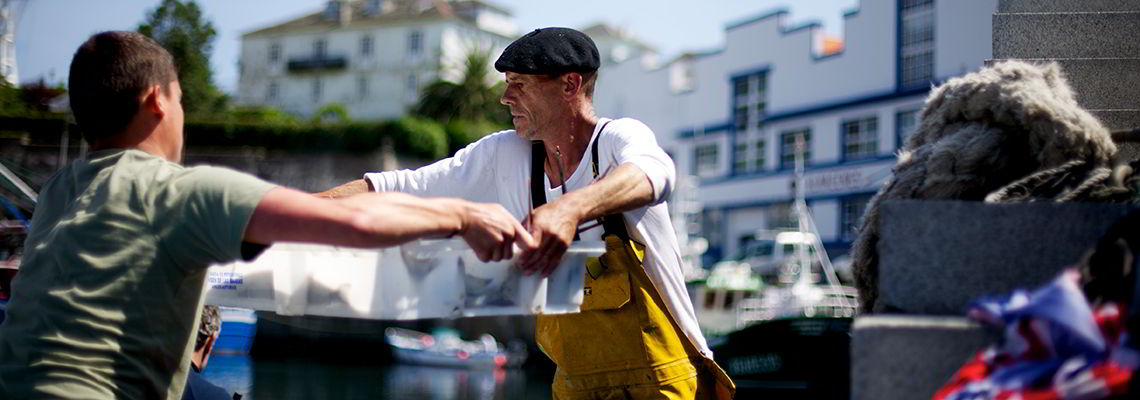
424 279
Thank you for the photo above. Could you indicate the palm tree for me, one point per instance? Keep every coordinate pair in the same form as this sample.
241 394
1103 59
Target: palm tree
473 99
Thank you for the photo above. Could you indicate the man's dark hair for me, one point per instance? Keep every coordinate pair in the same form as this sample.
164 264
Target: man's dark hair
108 74
589 80
211 323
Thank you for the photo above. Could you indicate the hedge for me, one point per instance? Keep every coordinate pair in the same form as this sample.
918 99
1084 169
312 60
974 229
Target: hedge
410 136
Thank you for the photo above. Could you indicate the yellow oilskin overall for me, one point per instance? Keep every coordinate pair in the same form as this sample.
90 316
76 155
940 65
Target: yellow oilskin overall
624 344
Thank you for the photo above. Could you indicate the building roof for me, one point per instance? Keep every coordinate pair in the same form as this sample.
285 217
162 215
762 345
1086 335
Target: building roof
401 10
602 29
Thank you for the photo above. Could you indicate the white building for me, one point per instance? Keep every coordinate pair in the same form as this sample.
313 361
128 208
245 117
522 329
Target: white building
729 117
371 56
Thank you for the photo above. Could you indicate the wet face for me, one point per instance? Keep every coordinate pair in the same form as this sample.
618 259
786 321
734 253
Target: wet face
533 100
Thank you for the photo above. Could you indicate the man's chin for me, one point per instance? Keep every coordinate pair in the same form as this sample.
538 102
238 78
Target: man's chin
524 132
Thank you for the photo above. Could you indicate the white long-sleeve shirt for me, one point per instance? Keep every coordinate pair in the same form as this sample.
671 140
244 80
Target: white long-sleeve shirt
496 169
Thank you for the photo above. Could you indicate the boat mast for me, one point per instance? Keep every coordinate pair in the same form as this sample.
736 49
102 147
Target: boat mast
808 230
800 208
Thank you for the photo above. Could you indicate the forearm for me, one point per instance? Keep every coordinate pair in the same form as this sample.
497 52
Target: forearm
386 219
348 189
623 189
364 220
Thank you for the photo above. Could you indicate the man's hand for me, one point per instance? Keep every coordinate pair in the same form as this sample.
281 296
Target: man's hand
491 231
553 227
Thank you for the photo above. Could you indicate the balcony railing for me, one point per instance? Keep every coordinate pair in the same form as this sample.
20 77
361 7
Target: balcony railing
310 64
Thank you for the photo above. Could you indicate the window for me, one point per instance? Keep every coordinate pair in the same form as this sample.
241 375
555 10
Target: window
761 99
860 138
740 158
749 156
916 44
729 299
740 87
905 123
316 89
918 30
761 112
741 115
706 160
760 160
851 217
779 216
917 69
320 48
366 45
750 92
271 93
415 43
711 228
274 52
908 5
362 87
411 88
788 147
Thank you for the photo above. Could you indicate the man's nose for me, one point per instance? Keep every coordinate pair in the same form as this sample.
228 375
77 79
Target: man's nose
506 99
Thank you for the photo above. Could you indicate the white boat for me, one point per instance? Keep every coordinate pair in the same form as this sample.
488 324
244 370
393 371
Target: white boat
780 274
445 348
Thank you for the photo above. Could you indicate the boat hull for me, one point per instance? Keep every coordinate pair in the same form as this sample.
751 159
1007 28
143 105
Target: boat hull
792 356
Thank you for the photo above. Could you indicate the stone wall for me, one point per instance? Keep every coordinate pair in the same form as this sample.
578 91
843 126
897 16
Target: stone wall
1094 41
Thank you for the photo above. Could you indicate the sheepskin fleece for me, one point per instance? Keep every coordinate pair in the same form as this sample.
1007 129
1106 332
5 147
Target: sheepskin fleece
979 133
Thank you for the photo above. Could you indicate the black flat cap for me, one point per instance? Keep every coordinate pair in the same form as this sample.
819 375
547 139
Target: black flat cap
550 51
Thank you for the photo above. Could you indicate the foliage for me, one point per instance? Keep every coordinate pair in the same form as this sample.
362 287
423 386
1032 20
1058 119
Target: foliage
11 100
462 132
331 113
32 100
472 99
419 136
468 109
410 136
182 29
260 115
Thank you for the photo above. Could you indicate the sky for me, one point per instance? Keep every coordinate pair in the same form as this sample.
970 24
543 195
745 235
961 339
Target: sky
49 31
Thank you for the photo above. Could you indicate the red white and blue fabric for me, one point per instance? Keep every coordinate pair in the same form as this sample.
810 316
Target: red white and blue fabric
1056 346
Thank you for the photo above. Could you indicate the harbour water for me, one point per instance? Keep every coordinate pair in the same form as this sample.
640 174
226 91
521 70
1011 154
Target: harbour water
310 379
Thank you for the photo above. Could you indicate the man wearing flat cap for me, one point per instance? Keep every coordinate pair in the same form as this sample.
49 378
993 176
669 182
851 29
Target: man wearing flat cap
574 176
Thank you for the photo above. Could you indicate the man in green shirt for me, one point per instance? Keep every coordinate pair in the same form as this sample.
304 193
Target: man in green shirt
107 299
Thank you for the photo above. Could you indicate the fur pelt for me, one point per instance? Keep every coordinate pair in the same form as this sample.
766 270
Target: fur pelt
1010 132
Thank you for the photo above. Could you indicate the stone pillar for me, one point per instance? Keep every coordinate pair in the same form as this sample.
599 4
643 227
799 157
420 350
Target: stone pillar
1095 42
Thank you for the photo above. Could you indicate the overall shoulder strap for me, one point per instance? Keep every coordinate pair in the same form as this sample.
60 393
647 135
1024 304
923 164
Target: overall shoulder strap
537 159
612 224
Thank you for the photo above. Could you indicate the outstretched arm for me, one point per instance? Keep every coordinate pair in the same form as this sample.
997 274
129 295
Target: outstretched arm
553 225
383 219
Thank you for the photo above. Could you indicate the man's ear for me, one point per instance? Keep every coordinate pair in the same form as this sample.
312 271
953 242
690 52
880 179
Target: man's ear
571 84
152 101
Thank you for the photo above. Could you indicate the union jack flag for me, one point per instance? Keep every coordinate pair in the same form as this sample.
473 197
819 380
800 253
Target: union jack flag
1056 346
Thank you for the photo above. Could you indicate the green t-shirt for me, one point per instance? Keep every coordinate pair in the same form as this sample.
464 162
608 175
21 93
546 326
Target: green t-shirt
106 301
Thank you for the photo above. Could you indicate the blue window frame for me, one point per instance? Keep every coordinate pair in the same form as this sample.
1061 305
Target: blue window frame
859 138
852 209
915 41
906 121
788 147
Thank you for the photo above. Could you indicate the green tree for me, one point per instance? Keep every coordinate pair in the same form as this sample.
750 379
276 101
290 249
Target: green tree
472 99
182 29
11 100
